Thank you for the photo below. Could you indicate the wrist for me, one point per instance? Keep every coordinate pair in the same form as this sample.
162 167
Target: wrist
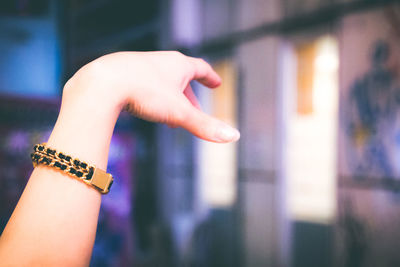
86 122
94 87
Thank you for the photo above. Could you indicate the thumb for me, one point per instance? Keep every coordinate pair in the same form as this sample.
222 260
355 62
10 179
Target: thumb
207 127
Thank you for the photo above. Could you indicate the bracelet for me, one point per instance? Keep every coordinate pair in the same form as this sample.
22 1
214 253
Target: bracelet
89 174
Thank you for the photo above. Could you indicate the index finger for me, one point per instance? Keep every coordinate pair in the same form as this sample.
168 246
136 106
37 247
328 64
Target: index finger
204 73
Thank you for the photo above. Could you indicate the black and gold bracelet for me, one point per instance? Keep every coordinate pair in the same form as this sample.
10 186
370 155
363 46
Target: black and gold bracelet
89 174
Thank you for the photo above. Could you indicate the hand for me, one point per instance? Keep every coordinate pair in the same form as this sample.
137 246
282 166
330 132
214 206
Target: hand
55 220
155 86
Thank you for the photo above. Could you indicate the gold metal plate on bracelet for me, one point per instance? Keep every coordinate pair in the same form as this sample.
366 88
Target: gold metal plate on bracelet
102 180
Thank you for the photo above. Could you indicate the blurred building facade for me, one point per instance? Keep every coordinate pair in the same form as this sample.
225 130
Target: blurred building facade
313 86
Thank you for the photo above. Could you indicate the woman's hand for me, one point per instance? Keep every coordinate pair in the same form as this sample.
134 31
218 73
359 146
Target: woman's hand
54 223
154 86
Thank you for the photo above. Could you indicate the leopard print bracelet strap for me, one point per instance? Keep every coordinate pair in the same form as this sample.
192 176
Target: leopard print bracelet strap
89 174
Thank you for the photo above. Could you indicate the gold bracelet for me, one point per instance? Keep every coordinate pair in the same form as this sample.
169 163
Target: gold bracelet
89 174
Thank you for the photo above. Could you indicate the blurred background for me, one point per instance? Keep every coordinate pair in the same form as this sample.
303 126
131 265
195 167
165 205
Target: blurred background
313 86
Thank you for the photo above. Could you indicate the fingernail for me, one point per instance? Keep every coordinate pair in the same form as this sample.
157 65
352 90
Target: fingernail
226 133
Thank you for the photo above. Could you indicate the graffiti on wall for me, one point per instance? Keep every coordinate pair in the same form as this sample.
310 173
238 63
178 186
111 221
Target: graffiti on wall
371 119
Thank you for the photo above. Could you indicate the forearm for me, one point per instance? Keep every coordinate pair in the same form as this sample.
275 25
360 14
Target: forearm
55 220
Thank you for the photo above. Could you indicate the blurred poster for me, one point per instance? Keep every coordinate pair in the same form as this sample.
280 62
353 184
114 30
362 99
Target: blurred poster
369 139
370 95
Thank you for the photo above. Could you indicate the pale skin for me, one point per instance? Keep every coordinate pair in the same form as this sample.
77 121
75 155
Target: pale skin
55 220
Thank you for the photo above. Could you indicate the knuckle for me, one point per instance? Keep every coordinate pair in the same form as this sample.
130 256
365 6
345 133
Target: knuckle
202 61
179 116
177 54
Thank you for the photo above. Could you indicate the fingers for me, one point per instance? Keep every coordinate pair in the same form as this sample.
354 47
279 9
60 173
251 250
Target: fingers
188 92
206 127
204 73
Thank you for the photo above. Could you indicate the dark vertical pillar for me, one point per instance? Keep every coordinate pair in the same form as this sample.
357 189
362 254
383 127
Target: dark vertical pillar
312 245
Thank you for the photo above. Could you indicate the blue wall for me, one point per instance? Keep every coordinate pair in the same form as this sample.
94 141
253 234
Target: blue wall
29 57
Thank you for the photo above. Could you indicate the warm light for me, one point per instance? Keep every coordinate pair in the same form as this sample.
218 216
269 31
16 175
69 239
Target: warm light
311 142
217 162
327 58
